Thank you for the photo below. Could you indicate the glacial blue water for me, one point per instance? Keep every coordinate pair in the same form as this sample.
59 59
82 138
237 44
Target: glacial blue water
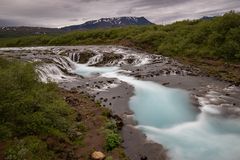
86 71
166 116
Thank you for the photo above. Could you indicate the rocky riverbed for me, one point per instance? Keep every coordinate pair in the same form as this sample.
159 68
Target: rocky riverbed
68 66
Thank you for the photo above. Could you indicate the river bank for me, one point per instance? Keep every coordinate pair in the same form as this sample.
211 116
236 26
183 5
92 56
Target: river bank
205 93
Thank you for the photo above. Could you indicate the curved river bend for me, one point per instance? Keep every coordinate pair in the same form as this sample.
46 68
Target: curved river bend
164 114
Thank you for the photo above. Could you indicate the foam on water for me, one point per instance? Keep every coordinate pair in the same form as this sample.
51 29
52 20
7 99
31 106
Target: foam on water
50 72
166 116
208 138
157 105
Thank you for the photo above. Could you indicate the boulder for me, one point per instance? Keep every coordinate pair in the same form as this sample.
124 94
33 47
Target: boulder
97 155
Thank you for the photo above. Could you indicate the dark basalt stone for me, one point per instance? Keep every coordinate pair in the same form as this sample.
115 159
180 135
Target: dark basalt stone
118 120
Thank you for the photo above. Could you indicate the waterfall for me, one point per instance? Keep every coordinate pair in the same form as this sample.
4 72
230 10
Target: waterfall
50 72
133 59
56 71
64 63
75 57
95 60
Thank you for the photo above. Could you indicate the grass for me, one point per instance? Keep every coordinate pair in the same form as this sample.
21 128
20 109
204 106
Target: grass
192 42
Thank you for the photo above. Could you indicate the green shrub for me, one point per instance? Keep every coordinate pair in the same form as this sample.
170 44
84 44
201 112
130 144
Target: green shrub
113 140
109 158
111 125
28 148
29 107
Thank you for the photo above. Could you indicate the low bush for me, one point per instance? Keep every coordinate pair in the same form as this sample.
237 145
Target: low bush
113 140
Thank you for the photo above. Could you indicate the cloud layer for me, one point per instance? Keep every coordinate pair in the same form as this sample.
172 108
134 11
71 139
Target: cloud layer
56 13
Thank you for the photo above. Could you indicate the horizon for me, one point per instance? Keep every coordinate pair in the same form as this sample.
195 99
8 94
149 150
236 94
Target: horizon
60 13
112 18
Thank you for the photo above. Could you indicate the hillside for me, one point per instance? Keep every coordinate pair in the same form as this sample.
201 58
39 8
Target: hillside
13 32
213 45
6 32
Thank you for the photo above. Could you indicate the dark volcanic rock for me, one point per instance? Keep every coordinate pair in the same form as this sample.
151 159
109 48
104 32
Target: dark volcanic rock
118 120
108 58
85 56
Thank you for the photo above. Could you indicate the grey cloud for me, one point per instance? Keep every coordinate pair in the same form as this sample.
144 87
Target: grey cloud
5 22
57 13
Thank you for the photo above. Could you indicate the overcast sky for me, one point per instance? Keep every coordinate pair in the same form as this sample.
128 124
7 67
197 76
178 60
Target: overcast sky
57 13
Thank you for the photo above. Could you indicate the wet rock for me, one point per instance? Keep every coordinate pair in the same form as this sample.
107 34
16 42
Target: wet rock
178 72
130 60
105 100
144 158
85 56
110 81
227 94
97 155
97 86
168 72
118 120
138 76
165 84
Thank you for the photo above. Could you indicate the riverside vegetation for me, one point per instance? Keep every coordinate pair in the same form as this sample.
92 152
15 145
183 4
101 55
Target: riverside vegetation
37 123
213 45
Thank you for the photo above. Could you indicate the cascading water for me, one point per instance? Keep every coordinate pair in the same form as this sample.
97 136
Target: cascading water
54 71
95 59
166 117
74 56
50 72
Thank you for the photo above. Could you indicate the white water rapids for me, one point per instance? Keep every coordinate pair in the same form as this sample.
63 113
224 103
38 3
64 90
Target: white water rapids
164 114
166 117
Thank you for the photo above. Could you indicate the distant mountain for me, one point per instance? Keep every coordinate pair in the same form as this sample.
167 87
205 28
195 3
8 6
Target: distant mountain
21 31
109 22
206 18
